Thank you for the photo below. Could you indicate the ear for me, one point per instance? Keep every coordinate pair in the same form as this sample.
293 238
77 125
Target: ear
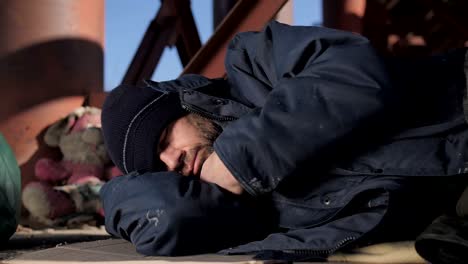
59 128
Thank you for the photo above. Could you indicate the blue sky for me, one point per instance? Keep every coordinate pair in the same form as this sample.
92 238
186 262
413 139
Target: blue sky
127 21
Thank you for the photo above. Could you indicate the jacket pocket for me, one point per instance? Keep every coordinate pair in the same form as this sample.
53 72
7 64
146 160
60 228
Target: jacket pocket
320 204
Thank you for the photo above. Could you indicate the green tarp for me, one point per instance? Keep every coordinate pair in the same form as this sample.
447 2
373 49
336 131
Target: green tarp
10 191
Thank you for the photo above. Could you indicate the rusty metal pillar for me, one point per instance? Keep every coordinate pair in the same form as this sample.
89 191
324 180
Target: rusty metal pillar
50 50
344 14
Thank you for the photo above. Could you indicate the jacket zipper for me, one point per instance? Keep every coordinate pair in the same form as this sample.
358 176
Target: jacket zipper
305 253
205 114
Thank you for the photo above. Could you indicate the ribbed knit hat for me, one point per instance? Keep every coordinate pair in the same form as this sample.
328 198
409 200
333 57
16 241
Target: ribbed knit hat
133 118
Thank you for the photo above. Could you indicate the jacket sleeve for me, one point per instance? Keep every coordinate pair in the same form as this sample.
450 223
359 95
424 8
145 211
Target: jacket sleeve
321 89
167 214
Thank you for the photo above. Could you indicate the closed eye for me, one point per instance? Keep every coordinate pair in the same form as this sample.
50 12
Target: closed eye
163 142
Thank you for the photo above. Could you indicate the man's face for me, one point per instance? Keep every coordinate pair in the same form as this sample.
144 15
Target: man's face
186 143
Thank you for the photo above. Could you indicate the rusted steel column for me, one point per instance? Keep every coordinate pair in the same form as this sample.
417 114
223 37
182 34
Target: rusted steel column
344 14
51 56
48 49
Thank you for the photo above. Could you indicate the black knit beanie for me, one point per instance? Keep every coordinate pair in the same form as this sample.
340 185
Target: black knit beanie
133 118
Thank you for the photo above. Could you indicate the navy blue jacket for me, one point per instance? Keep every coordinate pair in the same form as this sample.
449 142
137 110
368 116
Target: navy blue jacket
334 147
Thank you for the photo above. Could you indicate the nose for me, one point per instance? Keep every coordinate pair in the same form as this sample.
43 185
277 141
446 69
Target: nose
172 157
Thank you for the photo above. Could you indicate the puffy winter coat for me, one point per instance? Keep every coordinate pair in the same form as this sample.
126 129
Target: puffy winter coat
338 146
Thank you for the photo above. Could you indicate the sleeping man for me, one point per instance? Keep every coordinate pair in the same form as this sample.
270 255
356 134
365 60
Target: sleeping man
311 144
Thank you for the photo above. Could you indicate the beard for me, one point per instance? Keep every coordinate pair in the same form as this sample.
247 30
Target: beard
194 159
209 131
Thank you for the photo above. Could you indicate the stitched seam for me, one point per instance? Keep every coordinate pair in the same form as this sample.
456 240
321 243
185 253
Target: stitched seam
124 150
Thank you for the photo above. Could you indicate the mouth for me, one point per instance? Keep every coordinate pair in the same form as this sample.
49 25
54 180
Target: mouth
190 165
196 164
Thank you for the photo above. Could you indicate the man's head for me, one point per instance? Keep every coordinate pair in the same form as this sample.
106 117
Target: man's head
186 143
136 119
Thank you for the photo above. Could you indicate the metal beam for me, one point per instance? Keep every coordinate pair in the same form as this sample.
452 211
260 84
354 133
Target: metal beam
246 15
188 41
173 25
220 10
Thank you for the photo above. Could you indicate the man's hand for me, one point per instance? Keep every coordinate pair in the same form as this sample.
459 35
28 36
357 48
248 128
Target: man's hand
214 171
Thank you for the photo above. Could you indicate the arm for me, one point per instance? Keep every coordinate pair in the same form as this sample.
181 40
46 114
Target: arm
168 214
322 86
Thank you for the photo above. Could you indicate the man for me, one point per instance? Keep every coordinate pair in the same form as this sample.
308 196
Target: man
307 147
